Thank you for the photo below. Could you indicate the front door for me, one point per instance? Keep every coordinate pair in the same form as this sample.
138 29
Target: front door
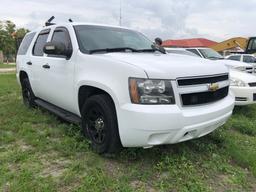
58 79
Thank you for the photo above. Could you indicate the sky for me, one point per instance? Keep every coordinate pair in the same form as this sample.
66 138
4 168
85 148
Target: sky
169 19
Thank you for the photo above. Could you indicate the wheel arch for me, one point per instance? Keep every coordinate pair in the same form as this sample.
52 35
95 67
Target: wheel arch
87 90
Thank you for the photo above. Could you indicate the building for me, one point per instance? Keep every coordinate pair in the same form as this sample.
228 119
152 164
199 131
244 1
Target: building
196 42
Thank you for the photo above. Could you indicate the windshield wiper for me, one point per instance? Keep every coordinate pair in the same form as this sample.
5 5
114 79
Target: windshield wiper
157 48
109 50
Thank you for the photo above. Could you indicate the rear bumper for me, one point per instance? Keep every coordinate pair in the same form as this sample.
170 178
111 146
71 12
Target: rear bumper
147 125
244 95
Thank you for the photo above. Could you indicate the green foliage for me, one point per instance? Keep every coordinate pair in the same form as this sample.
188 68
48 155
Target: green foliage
9 36
40 153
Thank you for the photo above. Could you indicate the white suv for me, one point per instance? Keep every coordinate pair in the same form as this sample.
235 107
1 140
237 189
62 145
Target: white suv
122 88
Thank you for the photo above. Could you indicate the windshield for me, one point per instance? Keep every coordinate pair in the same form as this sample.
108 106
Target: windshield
98 38
210 54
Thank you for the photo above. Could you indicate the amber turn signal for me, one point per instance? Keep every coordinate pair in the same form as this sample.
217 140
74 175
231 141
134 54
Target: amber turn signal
135 98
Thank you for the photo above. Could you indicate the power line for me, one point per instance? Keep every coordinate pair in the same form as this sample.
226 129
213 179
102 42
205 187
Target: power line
120 13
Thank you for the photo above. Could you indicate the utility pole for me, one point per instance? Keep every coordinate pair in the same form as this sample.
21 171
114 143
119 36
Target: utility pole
120 13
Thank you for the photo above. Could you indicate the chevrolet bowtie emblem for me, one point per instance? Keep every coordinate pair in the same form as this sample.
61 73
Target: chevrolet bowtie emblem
213 87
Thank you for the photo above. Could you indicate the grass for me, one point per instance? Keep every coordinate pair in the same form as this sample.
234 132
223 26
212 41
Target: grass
40 153
11 65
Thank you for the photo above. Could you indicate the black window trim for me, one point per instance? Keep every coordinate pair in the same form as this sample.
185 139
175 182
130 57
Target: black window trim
43 32
57 29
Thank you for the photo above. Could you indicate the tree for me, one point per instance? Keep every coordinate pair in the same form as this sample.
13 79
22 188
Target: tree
10 38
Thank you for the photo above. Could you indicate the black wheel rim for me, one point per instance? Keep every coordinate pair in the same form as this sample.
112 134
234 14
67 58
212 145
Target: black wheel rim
95 125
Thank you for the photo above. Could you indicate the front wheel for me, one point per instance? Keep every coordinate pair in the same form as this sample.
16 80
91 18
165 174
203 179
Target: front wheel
99 123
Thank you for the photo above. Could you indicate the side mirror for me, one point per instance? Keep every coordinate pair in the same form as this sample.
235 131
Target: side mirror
57 48
158 41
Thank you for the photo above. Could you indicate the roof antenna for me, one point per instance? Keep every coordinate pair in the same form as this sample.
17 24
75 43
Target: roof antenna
49 21
70 20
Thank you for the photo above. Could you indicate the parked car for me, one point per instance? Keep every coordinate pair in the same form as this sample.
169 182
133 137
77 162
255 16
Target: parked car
243 85
247 58
181 51
208 53
122 88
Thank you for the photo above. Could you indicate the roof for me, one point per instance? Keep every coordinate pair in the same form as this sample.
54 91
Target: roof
71 24
196 42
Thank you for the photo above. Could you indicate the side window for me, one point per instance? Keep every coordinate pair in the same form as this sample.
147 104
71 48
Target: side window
61 35
248 59
40 42
26 43
235 58
194 51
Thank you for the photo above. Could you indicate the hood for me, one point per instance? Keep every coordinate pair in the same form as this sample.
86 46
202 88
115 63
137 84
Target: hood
168 66
245 77
233 64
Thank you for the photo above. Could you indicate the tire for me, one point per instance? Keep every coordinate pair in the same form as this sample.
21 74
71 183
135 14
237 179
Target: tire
27 94
99 124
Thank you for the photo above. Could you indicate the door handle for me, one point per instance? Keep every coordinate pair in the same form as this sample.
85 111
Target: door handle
29 63
46 66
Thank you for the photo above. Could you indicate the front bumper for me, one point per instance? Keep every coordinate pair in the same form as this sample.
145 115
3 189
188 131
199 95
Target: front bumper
147 125
244 95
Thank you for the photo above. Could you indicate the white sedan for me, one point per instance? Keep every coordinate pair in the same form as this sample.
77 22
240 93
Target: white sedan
243 86
246 58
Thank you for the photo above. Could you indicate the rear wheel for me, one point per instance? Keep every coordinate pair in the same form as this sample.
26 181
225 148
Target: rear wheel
27 94
99 123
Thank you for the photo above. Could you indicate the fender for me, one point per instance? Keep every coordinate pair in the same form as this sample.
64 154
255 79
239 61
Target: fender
96 85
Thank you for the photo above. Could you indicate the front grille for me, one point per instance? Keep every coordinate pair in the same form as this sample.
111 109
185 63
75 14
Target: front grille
249 69
252 84
202 80
204 97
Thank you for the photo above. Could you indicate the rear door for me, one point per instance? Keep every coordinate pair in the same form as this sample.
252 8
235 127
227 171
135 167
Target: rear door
23 60
37 60
57 81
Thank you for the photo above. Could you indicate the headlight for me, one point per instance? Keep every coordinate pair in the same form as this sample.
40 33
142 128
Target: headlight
150 91
237 82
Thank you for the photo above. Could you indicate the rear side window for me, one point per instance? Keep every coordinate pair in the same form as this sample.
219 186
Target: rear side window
26 43
194 51
40 42
235 58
